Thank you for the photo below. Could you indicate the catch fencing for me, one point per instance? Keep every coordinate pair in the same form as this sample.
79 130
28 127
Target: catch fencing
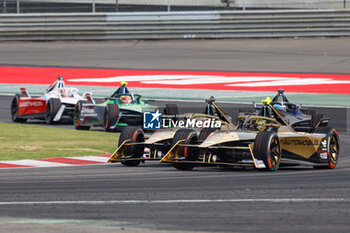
69 6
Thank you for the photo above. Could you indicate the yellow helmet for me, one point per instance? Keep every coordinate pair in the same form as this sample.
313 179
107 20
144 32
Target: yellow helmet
123 83
267 100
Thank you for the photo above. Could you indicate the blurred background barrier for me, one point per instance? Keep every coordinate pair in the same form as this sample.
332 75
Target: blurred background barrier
174 25
66 6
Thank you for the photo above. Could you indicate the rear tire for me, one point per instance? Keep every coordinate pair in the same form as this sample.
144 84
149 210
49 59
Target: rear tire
77 116
132 163
205 133
171 109
267 148
332 147
110 116
184 166
134 134
14 109
52 107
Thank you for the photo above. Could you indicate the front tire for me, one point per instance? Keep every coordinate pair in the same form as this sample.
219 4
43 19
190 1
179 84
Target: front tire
267 148
185 153
131 163
332 147
52 107
14 109
77 116
110 116
184 166
134 134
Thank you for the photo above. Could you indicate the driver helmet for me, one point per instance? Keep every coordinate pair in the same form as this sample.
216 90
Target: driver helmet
280 107
64 92
260 124
125 99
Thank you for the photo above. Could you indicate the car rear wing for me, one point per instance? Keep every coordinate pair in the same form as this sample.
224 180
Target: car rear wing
25 93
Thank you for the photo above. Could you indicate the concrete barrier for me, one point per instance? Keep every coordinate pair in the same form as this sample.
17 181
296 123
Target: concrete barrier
175 25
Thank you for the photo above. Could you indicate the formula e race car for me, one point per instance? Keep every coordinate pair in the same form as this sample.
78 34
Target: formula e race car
56 104
132 141
264 141
299 117
120 110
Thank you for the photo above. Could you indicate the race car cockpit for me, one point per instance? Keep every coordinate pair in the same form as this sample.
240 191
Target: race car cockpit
121 90
61 89
59 84
123 96
212 109
281 103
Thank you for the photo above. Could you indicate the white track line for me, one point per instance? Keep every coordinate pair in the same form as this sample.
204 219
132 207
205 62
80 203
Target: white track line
36 163
277 200
92 158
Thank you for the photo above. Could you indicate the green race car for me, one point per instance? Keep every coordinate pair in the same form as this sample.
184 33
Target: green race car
119 110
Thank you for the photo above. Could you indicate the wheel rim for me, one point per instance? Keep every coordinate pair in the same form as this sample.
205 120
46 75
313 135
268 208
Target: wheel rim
275 153
333 149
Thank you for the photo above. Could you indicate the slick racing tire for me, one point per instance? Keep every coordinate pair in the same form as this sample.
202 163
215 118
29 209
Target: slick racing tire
110 116
184 166
134 134
267 148
185 153
14 109
52 107
205 132
77 116
171 109
332 147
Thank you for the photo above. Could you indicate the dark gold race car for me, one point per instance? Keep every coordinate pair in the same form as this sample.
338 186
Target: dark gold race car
264 141
132 141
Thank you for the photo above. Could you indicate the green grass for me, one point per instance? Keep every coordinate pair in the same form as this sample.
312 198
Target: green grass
22 141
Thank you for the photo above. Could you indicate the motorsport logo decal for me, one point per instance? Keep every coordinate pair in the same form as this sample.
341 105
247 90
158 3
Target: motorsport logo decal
30 104
298 142
151 120
205 80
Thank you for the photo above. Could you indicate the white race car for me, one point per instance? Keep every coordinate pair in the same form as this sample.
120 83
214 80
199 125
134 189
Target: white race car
56 104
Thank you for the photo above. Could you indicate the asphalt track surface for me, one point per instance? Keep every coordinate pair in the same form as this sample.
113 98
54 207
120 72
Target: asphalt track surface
301 55
154 197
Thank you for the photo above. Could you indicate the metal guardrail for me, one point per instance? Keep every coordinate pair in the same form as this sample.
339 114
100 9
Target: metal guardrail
175 25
